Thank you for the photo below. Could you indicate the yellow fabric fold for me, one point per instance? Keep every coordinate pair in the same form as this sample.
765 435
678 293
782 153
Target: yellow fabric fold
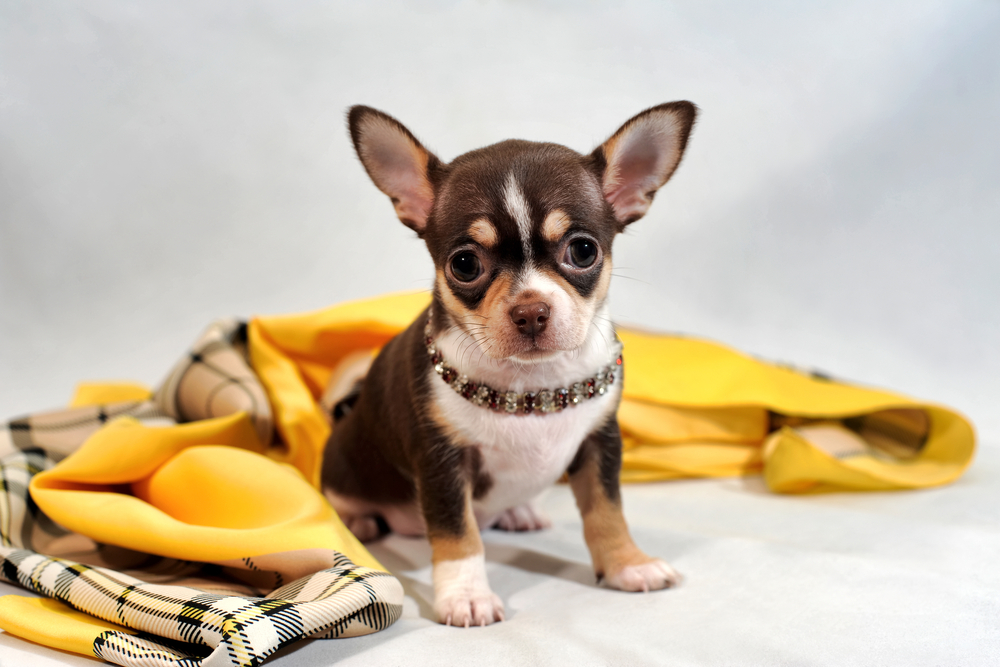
294 356
690 408
654 462
794 465
96 393
200 491
51 623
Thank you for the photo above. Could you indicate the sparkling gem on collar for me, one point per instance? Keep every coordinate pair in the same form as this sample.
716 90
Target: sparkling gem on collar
544 401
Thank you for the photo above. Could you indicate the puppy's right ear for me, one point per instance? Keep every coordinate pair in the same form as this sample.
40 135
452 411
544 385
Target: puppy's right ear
396 162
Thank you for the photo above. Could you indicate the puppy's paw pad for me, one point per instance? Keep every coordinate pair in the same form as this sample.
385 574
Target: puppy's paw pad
650 576
479 608
523 517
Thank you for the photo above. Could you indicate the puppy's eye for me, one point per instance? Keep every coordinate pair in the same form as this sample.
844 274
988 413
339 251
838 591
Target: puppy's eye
466 267
582 253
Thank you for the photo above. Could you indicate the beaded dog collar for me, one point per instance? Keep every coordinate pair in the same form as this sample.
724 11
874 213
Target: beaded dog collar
545 401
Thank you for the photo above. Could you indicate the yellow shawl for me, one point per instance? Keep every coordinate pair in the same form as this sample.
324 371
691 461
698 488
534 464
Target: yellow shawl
690 408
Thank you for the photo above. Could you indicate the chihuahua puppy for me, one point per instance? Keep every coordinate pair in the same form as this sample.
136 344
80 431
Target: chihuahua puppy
512 376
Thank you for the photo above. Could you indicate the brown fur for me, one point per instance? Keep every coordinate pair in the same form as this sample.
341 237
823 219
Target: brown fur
395 449
451 546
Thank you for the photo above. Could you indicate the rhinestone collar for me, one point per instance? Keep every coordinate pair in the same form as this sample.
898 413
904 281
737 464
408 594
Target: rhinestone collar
545 401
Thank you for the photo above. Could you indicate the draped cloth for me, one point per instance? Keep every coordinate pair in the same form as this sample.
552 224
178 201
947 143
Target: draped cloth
185 523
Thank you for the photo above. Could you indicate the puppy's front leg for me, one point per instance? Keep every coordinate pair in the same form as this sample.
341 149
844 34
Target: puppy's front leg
593 475
462 595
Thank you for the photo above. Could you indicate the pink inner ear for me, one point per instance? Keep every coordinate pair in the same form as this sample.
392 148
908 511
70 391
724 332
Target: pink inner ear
412 199
635 176
629 204
399 169
641 159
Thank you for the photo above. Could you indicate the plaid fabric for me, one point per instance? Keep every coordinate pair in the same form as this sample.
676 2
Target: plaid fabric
179 612
181 625
31 444
215 379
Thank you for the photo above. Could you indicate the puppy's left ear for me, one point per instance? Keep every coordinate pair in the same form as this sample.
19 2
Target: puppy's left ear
641 156
396 162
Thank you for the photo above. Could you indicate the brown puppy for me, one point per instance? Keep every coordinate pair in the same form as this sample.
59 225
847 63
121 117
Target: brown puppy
512 376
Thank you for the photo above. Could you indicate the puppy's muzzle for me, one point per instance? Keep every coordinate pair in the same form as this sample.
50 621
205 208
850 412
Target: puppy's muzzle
530 319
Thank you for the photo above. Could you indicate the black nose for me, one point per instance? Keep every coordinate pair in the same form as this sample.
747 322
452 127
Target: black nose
530 318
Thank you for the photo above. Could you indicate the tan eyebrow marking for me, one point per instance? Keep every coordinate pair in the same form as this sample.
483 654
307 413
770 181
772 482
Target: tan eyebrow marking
484 233
555 225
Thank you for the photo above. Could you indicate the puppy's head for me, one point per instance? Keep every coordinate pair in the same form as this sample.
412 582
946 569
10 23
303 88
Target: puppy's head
521 232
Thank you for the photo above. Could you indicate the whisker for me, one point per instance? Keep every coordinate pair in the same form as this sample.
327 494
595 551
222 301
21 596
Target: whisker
638 280
519 368
466 346
607 344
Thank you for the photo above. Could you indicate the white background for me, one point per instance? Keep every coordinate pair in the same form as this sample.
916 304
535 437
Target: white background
164 164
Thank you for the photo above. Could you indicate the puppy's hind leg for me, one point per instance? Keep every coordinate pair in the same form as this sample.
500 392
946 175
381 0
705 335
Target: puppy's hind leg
361 518
365 527
528 516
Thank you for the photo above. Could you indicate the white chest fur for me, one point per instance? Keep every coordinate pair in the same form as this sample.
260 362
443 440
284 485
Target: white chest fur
525 454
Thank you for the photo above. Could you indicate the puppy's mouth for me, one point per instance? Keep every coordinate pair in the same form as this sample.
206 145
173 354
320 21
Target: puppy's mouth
535 356
524 350
531 350
503 341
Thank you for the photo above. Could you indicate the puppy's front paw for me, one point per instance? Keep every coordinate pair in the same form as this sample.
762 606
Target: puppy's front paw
523 517
462 596
652 575
470 609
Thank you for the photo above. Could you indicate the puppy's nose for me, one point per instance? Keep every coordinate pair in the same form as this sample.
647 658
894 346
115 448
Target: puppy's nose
530 318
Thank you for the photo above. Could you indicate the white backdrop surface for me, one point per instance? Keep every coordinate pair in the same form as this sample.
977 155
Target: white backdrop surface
163 164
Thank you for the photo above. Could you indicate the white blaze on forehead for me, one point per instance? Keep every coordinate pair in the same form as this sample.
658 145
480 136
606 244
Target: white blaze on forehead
531 279
517 207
